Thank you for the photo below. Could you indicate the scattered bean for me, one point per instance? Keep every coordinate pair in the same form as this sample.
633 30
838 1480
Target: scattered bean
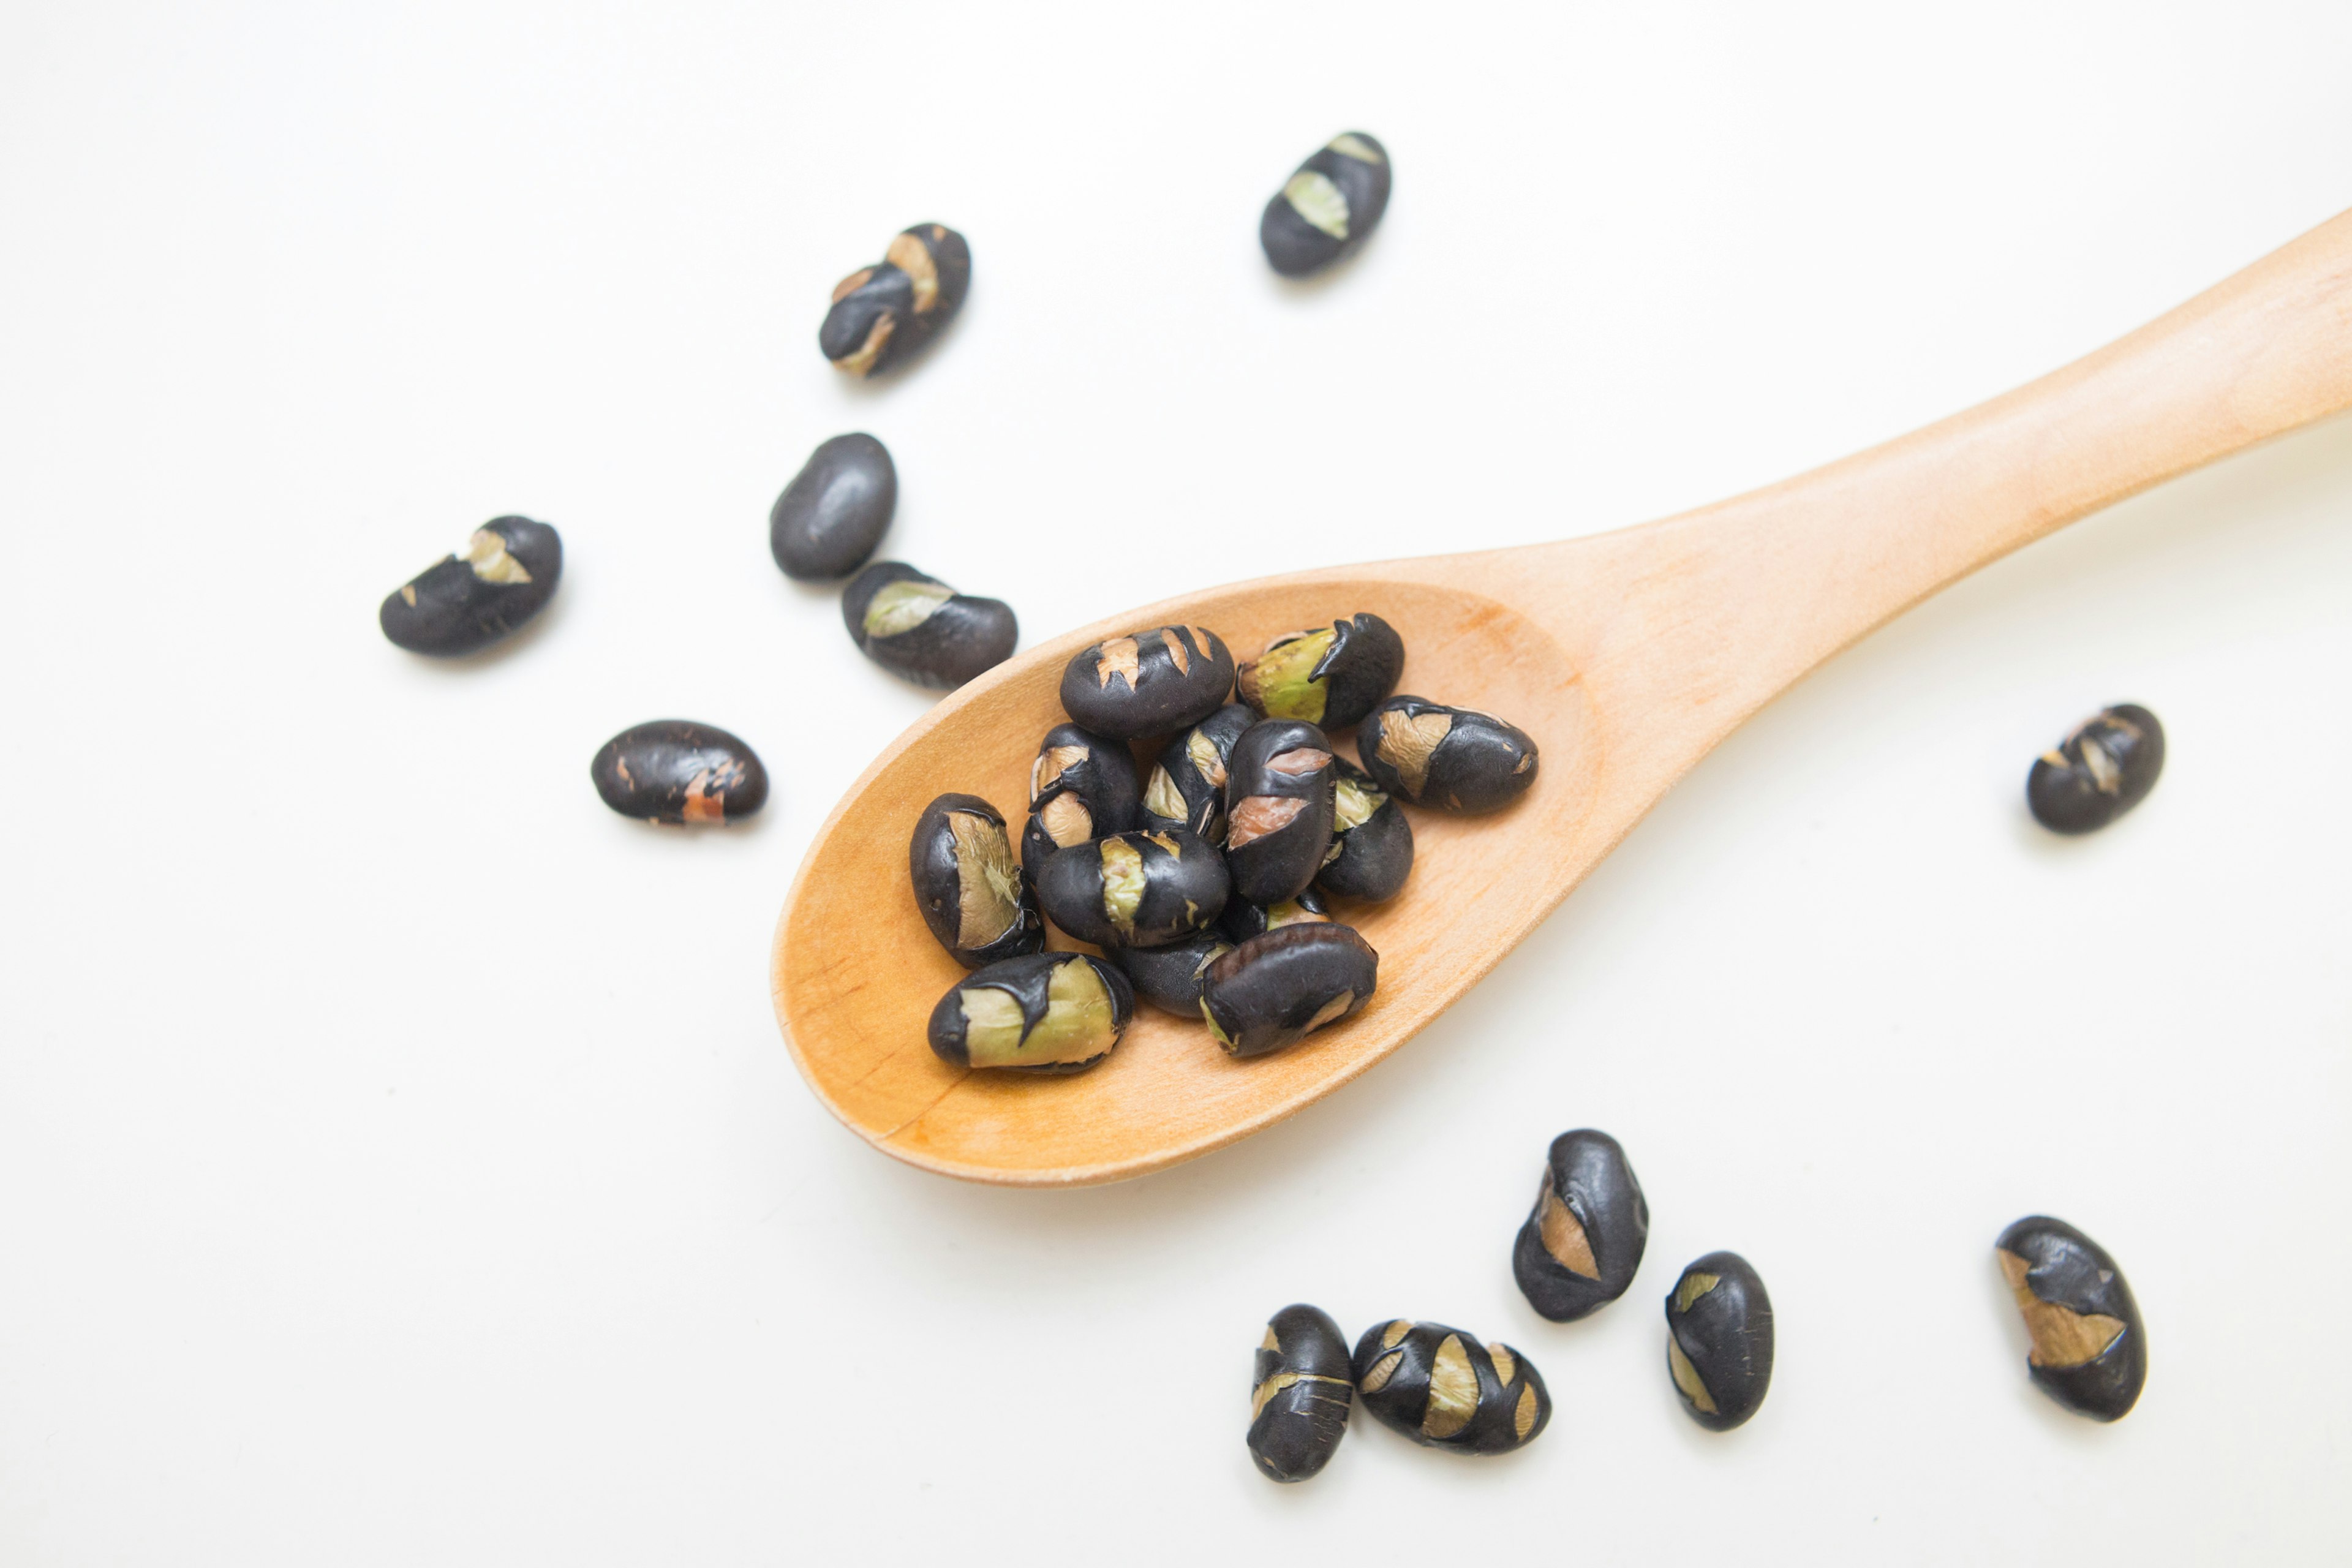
1329 208
1719 1341
1584 1240
1275 990
1442 1389
1147 682
1449 759
1371 842
882 314
1279 813
1243 919
1171 977
2090 1351
919 628
1188 783
2103 769
836 511
672 769
1331 677
1134 890
464 602
967 886
1301 1393
1046 1013
1081 788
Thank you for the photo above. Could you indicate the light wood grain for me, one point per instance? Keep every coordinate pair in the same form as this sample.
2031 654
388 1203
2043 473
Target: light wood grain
1627 656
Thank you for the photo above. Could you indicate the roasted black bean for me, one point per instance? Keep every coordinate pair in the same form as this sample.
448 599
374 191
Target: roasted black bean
1278 813
1047 1012
1329 208
1171 977
836 511
1275 990
2103 769
1081 788
1719 1341
1448 759
967 886
1134 890
464 602
1330 677
1584 1240
1188 783
1441 1388
1371 842
1243 919
919 628
673 770
882 314
1147 682
2089 1350
1301 1392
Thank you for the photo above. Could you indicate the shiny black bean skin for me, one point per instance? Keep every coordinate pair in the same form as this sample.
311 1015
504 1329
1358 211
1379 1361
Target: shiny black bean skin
2100 771
1330 676
1171 978
1243 919
1278 808
1330 208
1719 1341
1187 787
1302 1390
944 637
462 604
1583 1239
1043 1016
881 315
1175 887
1442 1389
1275 990
967 886
1081 788
675 770
2089 1347
1370 855
836 511
1150 682
1447 759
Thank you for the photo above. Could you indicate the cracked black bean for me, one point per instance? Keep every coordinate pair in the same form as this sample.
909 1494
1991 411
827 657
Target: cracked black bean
675 770
1243 920
967 884
1331 675
1081 788
919 628
1329 208
836 511
1046 1013
2102 769
1441 1388
1149 682
1275 990
882 314
1171 978
464 602
1279 783
1187 788
1371 842
1584 1240
1448 759
1302 1390
2089 1350
1719 1341
1134 890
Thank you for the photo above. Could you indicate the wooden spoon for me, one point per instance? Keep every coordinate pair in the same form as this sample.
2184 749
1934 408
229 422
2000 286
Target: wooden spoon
1627 656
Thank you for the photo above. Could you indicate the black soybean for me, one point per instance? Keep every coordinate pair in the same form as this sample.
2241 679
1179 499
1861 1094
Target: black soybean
836 511
1278 809
675 770
1275 990
2089 1350
1329 208
1171 978
967 884
1441 1388
882 314
1188 783
1243 919
1302 1390
1081 788
1331 677
1047 1012
1147 682
2101 770
1134 890
1449 759
1371 842
919 628
1719 1341
1584 1240
462 604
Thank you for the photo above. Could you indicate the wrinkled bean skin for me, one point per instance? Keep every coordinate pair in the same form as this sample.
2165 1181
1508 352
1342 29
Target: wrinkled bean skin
1275 990
1048 1013
1081 788
1134 890
462 604
2099 772
1329 208
836 511
1371 842
1719 1341
1583 1239
1302 1390
2089 1350
1447 759
1187 788
675 770
1149 682
1442 1389
882 314
1171 978
1330 677
967 884
920 628
1243 920
1278 809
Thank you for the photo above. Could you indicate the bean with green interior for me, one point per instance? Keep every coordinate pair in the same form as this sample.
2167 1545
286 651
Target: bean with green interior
1134 890
1302 1391
1275 990
1442 1389
1329 208
464 602
1371 842
1081 786
882 314
1584 1238
919 628
2102 769
1331 677
967 884
1149 682
1719 1341
1243 919
1171 977
1046 1013
1278 811
2089 1350
1187 788
836 511
1448 759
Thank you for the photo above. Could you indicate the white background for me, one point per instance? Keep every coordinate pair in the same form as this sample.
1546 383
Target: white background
398 1162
